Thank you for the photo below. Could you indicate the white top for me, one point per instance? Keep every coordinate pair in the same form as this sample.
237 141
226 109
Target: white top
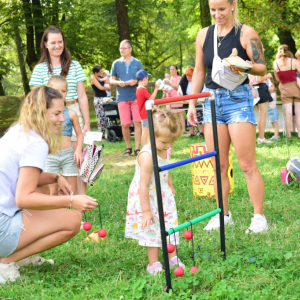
167 86
188 89
18 149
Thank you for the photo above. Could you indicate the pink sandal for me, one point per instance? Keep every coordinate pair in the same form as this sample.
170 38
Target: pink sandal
154 268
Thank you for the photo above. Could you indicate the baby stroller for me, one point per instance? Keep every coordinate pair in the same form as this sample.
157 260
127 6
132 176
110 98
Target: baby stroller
114 128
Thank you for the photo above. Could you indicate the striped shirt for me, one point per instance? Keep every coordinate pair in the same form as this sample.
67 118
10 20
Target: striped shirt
40 76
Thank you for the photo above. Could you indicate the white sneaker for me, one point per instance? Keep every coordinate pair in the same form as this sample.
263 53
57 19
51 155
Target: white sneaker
35 260
214 222
9 272
258 224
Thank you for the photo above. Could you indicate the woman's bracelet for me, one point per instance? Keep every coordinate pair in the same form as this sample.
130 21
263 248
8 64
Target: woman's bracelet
71 200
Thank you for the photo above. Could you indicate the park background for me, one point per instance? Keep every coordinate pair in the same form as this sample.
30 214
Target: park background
263 266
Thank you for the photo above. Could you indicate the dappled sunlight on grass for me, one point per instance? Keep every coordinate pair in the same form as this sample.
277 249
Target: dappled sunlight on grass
261 266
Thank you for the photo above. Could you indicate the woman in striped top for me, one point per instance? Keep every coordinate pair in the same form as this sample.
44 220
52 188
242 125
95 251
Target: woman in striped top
56 60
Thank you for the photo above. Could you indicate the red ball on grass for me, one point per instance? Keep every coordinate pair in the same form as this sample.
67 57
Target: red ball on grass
170 248
179 271
194 269
188 235
102 233
87 226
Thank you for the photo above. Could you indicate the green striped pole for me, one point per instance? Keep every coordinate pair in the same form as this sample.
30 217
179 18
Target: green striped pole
194 221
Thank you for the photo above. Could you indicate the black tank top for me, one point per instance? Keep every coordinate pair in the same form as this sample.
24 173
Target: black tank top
231 41
99 93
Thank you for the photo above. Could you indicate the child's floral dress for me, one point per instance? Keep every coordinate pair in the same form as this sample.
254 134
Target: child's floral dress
151 236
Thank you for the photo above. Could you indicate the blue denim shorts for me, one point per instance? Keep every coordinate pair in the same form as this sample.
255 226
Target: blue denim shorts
63 160
231 106
10 230
272 114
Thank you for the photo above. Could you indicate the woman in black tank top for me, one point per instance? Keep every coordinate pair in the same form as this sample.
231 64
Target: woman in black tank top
100 93
235 116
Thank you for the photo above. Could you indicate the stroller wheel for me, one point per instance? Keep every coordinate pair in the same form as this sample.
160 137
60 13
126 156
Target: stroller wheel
111 136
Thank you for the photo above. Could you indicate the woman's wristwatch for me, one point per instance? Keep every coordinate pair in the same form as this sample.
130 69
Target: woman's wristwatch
56 177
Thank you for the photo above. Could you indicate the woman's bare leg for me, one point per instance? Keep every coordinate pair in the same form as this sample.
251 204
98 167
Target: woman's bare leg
297 116
288 116
201 128
44 230
224 143
191 130
262 108
243 139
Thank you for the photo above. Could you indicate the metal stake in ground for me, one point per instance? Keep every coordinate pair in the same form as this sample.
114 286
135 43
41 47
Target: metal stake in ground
218 173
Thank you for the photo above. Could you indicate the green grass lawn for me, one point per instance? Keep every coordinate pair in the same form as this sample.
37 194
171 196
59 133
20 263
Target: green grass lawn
261 266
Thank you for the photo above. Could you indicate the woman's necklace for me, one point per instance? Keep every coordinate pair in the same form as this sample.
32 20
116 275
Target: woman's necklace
219 44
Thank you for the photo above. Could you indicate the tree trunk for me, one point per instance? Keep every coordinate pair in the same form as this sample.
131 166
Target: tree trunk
31 58
18 42
122 18
37 15
285 37
205 13
180 51
2 93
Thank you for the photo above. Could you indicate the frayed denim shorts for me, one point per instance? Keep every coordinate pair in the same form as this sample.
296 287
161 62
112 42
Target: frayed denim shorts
10 230
63 160
231 106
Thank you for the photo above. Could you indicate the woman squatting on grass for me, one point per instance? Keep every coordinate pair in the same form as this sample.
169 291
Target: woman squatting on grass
142 220
234 109
31 222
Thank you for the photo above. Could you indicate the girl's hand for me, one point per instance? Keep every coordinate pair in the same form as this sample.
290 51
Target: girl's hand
147 219
78 157
192 115
64 186
84 203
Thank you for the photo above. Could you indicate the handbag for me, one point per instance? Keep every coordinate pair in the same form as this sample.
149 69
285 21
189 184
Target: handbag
92 166
221 74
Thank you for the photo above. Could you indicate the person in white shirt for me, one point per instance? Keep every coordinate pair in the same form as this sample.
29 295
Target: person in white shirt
32 222
107 82
166 88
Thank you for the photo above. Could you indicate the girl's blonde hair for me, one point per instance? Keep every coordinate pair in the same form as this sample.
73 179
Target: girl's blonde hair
235 15
57 78
33 115
283 53
166 124
297 55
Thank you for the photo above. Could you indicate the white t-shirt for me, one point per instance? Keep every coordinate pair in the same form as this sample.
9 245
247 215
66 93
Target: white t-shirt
166 86
18 149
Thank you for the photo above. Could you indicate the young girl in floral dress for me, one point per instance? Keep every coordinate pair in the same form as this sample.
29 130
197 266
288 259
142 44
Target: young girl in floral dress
142 219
